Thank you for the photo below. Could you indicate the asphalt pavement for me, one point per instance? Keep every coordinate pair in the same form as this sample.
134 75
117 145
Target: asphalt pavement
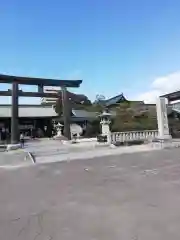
130 197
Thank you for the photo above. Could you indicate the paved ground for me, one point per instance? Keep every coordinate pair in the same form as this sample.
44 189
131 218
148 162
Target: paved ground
53 151
129 197
48 151
14 159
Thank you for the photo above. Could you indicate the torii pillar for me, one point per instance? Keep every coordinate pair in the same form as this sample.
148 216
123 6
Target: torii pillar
14 114
66 113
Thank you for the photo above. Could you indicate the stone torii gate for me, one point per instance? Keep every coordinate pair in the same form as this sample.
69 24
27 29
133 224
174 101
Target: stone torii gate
161 108
40 82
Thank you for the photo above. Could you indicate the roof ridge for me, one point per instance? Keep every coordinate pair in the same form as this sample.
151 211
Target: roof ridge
115 96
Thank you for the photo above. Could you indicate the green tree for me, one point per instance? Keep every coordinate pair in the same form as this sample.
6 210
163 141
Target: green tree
93 129
99 104
123 120
58 107
129 118
75 101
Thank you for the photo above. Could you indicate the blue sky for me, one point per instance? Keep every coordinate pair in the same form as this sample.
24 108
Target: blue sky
114 46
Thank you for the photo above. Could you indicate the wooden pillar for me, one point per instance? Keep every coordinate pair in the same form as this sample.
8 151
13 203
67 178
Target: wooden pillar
66 113
14 114
40 88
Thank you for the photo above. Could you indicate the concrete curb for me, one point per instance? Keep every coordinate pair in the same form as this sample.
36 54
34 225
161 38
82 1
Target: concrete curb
11 147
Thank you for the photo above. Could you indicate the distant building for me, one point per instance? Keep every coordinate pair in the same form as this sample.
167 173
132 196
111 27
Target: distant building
38 116
116 100
112 102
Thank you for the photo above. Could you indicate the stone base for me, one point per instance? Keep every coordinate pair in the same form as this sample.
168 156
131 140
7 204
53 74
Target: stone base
166 143
165 137
13 146
59 137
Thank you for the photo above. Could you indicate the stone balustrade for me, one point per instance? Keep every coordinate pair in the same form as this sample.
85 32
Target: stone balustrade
133 135
176 106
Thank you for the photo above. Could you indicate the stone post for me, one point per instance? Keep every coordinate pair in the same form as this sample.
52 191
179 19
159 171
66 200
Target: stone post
14 115
162 119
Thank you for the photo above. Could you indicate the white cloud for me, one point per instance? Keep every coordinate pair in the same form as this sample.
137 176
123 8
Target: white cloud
161 85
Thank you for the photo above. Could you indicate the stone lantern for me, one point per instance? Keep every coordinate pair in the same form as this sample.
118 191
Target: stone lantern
59 129
105 120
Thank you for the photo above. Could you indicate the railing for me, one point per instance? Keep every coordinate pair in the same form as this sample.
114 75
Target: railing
176 106
133 135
